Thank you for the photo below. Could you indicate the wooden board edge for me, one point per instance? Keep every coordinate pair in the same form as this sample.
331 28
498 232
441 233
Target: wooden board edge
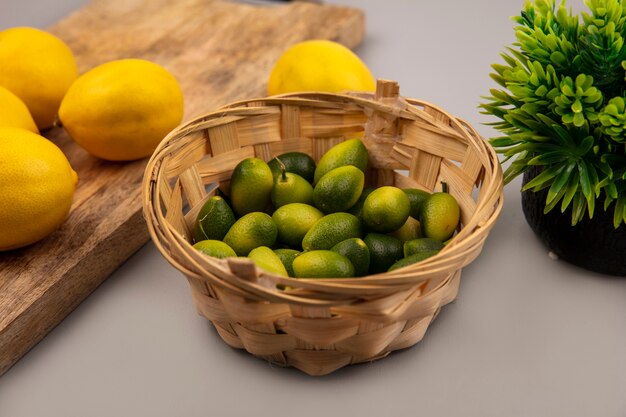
23 333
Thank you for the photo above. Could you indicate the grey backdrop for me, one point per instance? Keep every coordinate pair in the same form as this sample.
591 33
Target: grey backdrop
528 336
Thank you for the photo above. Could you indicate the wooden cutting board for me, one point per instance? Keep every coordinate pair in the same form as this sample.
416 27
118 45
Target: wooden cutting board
220 52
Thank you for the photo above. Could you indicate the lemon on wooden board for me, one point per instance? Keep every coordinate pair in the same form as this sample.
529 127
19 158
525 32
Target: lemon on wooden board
37 67
13 112
122 109
36 187
319 65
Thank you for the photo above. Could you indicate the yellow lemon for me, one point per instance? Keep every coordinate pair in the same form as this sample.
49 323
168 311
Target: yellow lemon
38 68
14 112
122 109
36 187
319 65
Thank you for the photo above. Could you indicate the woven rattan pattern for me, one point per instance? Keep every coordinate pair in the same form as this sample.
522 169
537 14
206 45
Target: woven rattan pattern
322 325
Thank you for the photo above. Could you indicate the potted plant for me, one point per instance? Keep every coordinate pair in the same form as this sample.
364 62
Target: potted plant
561 109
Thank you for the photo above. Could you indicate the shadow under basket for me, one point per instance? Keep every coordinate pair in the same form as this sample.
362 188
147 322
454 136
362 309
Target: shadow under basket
321 325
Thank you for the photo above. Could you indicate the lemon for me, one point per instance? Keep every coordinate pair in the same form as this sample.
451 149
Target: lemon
36 187
266 259
215 248
38 68
439 216
349 152
250 186
339 189
121 110
251 231
319 65
386 209
294 221
322 264
14 112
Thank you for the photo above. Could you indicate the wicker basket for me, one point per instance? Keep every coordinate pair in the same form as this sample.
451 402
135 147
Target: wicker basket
322 324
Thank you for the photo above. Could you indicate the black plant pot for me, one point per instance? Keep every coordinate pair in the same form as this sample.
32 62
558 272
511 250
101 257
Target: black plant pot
593 244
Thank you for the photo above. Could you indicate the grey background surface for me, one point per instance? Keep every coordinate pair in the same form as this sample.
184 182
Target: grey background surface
528 336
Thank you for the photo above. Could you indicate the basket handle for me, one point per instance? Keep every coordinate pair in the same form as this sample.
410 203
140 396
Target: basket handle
387 90
383 125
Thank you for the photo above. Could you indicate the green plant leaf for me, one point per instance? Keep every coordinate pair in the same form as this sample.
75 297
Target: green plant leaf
578 120
548 158
562 136
577 106
558 189
618 214
502 142
552 203
607 202
593 178
585 146
545 176
585 183
561 103
578 208
572 188
591 204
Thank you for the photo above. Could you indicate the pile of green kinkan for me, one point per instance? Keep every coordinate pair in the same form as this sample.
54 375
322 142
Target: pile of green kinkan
295 218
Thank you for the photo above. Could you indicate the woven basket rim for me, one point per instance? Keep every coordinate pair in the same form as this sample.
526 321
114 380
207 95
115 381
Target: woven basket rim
472 234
